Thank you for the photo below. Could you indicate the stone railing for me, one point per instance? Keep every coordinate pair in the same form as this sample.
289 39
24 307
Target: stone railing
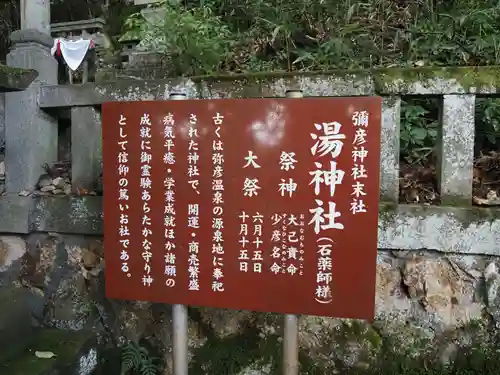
454 226
11 79
85 29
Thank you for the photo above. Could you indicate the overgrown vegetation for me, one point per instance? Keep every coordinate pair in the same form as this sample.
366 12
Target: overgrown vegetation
418 140
260 35
136 360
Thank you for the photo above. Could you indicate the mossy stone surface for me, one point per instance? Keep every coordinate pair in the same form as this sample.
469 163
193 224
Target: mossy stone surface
64 344
386 81
15 79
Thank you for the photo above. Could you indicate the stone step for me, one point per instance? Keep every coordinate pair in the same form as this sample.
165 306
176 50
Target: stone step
64 344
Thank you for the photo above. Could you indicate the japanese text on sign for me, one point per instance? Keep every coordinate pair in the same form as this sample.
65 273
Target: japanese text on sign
203 211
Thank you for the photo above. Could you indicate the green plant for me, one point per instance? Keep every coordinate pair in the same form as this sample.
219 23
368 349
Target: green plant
132 27
487 122
257 35
136 358
194 40
418 132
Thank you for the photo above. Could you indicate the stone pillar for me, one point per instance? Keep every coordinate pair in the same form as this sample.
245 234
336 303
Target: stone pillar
2 121
30 133
86 147
150 14
389 150
457 151
35 14
31 50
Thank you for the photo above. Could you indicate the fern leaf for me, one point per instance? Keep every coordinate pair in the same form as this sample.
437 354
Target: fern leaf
148 368
143 353
131 357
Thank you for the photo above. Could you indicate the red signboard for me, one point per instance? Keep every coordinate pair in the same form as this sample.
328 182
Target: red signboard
258 204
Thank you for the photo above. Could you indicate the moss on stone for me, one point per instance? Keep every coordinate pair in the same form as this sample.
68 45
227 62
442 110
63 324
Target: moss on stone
14 79
387 207
478 215
65 345
471 362
263 76
465 215
17 72
351 347
455 201
234 353
469 78
390 101
385 81
423 356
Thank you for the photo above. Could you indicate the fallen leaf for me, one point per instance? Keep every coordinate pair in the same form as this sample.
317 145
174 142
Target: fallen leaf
81 191
480 201
46 355
491 196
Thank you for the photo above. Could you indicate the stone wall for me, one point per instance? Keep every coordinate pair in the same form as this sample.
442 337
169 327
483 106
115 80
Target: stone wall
2 120
428 304
437 278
